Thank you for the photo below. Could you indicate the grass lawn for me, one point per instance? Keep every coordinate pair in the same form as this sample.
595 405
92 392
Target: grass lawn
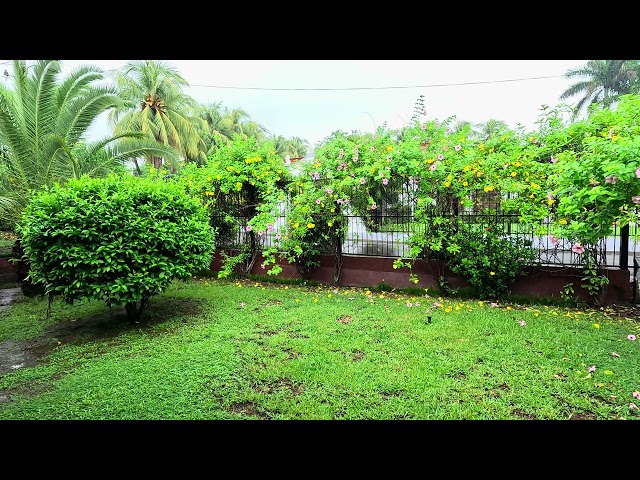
211 349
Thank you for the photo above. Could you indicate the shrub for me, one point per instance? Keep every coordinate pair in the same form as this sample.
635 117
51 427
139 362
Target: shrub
489 261
118 239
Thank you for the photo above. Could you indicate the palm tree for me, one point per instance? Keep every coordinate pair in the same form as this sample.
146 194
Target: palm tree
155 104
489 129
223 124
43 121
604 82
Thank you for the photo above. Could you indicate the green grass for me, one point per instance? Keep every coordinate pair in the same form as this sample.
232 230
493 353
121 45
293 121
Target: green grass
212 349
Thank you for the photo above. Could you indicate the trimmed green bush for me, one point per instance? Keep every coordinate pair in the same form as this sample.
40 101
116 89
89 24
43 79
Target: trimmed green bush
118 239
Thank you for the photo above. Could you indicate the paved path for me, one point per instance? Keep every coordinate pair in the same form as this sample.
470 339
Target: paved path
8 296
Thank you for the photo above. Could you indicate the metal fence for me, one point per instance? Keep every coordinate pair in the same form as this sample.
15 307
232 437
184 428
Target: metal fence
386 232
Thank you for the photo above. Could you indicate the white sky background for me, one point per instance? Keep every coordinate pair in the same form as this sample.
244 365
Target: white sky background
313 115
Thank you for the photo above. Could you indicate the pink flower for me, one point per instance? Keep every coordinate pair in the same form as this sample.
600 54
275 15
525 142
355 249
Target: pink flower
636 199
341 153
355 150
638 172
458 147
374 206
522 323
318 201
362 181
260 233
577 248
262 266
432 167
440 157
389 158
373 136
494 304
385 181
355 157
592 368
269 228
636 395
423 126
611 179
553 160
550 196
249 228
328 190
631 337
633 405
409 304
373 149
278 236
553 240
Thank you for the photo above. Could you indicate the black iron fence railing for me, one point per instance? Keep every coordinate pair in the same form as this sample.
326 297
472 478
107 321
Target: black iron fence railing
388 233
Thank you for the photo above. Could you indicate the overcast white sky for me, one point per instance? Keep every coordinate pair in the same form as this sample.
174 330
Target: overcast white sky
315 114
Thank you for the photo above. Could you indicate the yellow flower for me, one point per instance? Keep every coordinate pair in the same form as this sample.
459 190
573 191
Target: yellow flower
311 225
488 188
492 273
296 225
596 325
330 223
562 221
389 148
513 174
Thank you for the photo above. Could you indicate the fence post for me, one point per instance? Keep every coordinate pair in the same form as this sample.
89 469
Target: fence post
624 247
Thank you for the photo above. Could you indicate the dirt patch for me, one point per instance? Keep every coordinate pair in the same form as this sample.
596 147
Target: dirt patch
345 319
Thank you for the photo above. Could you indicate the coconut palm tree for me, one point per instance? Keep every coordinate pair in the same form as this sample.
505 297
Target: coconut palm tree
155 104
603 82
222 124
491 128
43 122
297 147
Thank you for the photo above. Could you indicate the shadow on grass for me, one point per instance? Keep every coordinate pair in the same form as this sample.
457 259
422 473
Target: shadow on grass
19 354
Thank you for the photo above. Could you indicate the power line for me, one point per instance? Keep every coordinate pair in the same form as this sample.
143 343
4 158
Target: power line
380 88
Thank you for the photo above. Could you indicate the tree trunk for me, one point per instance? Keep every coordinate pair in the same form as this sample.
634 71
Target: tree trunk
135 310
